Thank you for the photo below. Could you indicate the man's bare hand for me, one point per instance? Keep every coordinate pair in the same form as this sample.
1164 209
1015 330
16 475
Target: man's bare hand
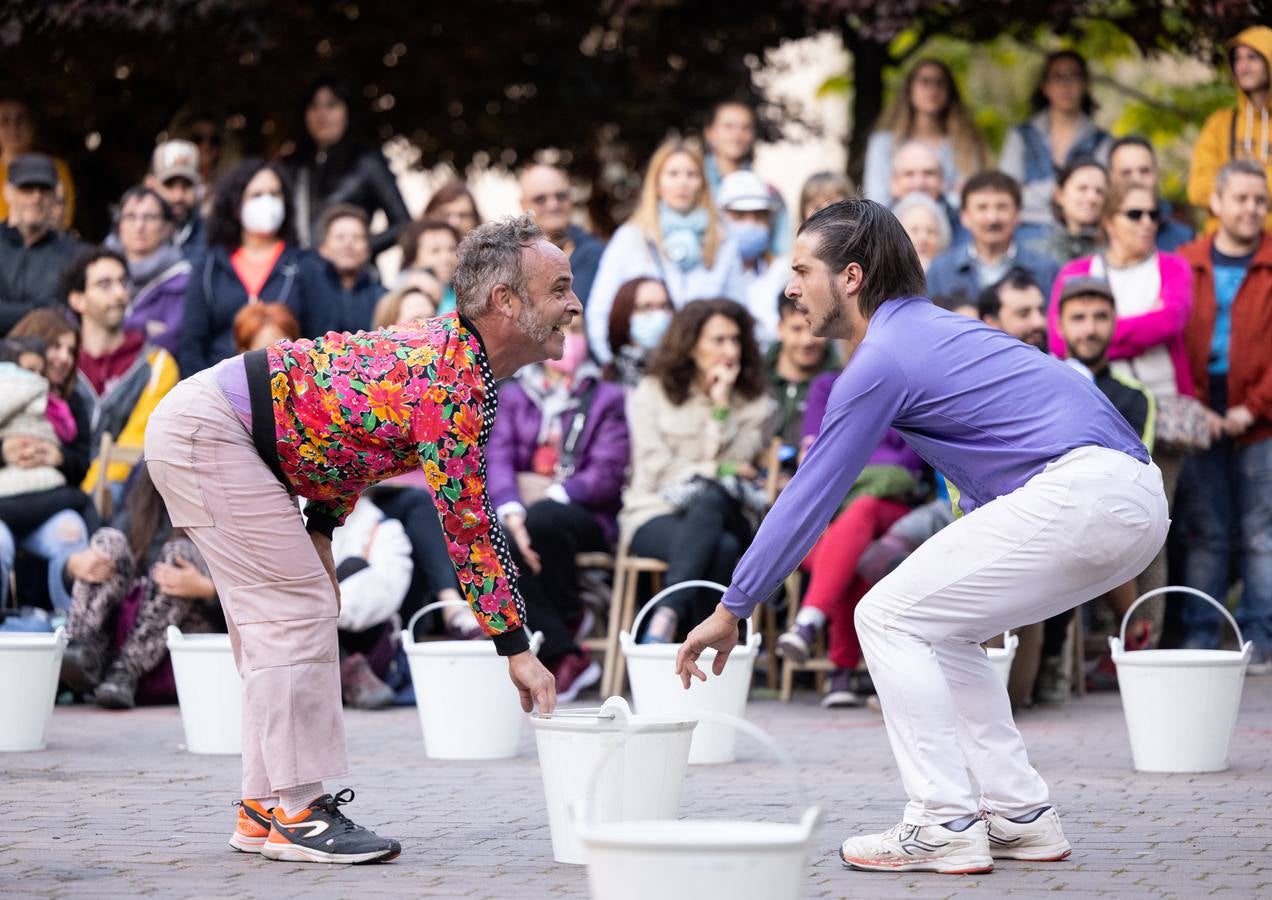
719 631
534 682
322 544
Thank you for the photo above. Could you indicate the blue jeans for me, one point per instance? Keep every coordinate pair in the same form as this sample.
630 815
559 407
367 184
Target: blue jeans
1227 509
60 536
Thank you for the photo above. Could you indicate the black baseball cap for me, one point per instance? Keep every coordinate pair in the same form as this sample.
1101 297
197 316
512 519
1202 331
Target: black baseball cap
32 170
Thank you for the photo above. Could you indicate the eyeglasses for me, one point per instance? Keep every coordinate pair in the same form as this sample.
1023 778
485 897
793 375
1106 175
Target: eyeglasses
558 196
1136 214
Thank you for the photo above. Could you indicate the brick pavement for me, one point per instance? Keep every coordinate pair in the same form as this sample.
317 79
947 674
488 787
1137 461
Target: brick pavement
116 808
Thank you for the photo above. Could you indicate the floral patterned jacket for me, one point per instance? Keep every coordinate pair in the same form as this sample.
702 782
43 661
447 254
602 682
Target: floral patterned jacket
350 410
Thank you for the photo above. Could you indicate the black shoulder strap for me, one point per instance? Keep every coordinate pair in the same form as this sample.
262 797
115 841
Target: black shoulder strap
565 465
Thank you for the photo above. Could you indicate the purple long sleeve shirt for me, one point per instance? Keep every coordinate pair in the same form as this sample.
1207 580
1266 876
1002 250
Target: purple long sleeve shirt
983 408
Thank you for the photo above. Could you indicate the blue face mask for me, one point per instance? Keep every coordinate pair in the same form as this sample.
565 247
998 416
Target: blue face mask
647 328
752 238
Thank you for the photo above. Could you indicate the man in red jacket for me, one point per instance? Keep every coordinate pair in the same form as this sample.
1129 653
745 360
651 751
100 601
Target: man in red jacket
1226 492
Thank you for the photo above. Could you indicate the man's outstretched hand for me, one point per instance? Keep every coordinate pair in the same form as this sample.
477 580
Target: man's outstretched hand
719 631
533 681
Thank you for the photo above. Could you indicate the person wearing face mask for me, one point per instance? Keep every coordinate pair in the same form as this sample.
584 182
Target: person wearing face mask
252 257
641 313
557 461
748 207
675 236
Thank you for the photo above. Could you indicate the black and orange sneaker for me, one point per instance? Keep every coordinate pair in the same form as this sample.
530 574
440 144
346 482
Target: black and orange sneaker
252 827
323 834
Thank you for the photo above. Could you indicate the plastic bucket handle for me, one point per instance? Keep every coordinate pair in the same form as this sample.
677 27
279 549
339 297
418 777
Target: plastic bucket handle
536 638
680 586
1180 589
811 813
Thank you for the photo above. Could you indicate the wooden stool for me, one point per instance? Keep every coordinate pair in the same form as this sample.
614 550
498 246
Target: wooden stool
627 572
818 663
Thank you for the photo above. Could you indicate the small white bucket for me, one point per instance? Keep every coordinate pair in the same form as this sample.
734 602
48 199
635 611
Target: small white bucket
1002 657
656 689
642 782
649 858
30 665
468 706
1181 705
209 690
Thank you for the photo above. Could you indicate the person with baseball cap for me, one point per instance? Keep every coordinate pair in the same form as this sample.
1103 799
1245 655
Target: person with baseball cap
749 207
174 175
32 254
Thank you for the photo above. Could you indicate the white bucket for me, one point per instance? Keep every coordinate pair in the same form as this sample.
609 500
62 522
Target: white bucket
469 708
656 689
642 782
637 860
209 690
1002 657
30 665
1181 705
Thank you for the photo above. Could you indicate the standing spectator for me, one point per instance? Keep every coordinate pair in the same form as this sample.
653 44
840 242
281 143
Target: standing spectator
432 245
207 133
1017 306
730 136
252 257
546 192
1226 492
792 364
1240 132
747 204
32 255
18 138
1131 158
1079 197
455 205
927 225
927 109
558 458
1060 131
342 272
331 166
990 212
158 274
122 376
174 175
675 236
641 314
699 422
822 189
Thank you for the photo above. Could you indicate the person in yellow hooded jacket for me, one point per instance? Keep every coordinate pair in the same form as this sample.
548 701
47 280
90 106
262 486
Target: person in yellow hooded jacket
1243 132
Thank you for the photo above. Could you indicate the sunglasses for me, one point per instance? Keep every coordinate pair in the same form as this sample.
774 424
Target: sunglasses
1136 214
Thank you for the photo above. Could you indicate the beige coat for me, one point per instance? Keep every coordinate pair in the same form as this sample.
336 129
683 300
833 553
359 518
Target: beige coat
671 444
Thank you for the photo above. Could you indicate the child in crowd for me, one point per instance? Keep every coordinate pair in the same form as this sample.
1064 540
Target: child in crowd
24 399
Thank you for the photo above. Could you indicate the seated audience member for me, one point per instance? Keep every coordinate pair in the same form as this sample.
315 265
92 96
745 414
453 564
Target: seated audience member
990 212
958 303
926 224
699 423
747 205
822 189
557 459
158 274
638 320
373 564
1226 492
730 135
24 399
174 175
792 364
917 170
122 376
546 192
262 324
1079 197
432 245
416 297
1131 158
33 254
141 570
342 272
455 205
1017 306
674 235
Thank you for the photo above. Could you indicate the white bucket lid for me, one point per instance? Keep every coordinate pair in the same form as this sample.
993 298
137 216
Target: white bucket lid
614 715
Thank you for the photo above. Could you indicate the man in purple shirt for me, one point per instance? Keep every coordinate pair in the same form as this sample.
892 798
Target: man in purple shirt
1060 503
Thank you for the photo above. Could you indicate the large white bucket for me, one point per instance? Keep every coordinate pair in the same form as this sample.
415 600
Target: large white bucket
1002 657
209 690
650 858
641 782
30 665
656 689
1181 705
469 708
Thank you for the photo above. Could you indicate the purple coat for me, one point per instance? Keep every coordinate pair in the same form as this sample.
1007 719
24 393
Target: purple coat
892 450
601 455
162 302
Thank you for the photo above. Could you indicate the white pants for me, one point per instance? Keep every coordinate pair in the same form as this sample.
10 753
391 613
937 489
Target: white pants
1089 521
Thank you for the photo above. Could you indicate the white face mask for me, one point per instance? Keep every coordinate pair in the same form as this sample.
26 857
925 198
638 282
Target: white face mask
263 214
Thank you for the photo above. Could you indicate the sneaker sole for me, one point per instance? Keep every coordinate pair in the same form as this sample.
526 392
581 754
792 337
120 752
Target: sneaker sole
841 699
927 865
294 853
245 844
793 649
1046 854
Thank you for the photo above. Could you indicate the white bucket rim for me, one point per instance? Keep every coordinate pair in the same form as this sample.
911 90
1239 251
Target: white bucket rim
614 716
473 647
627 638
669 651
203 642
1179 657
698 835
33 640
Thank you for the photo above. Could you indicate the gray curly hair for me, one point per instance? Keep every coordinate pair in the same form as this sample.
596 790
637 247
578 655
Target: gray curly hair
491 255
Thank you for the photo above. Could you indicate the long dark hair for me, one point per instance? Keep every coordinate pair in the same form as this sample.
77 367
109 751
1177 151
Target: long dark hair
340 156
1038 102
970 152
672 360
145 512
49 324
224 228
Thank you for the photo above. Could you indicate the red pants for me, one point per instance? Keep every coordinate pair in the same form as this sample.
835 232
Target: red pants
834 587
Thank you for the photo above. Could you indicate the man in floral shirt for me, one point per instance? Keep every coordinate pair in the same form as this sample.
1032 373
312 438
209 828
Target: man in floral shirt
230 449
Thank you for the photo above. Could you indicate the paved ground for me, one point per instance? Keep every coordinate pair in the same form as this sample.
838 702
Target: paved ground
115 807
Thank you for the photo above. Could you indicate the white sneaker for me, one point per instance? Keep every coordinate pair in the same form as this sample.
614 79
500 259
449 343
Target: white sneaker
921 848
1041 840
